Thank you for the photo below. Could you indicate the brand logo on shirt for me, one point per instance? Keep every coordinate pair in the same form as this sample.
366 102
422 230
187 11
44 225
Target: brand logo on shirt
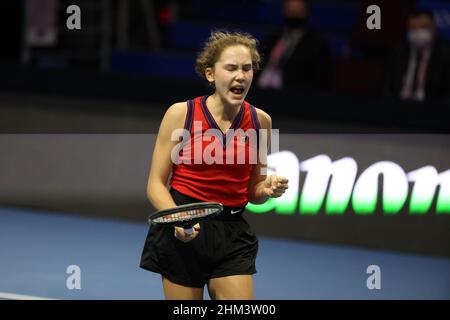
245 138
235 211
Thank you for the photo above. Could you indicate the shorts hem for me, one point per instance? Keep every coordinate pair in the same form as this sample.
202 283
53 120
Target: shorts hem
174 279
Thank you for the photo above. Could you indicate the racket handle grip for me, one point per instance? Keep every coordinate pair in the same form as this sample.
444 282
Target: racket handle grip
189 230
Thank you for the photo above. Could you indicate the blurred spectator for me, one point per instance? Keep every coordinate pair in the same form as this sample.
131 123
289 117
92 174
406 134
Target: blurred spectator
419 67
295 56
375 44
41 22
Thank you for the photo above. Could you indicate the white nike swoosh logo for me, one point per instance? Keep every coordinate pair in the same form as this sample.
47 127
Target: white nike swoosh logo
235 211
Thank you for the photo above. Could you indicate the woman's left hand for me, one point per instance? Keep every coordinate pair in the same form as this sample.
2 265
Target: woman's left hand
275 186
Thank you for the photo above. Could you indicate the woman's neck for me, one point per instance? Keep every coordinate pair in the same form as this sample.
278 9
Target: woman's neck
221 109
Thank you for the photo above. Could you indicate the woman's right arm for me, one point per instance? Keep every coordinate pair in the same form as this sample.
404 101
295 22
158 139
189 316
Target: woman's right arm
161 166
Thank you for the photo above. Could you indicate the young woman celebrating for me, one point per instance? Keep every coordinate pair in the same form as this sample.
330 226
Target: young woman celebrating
221 251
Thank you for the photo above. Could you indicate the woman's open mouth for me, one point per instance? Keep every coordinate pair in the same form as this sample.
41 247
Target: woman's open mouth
237 90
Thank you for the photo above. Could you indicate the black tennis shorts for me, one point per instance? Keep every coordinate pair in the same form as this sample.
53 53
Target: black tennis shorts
225 246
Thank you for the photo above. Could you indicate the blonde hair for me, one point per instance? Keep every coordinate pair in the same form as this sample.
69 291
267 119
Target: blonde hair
219 41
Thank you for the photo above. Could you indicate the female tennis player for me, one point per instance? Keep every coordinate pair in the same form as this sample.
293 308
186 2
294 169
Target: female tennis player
221 251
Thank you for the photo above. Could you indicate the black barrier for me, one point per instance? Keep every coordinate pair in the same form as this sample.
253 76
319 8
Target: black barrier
380 191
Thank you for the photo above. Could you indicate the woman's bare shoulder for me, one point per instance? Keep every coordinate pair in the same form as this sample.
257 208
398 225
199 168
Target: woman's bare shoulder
175 116
264 119
177 110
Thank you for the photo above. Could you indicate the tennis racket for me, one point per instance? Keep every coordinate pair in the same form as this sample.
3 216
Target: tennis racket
186 215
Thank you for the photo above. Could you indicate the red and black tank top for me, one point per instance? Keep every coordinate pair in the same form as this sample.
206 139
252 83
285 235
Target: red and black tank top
212 165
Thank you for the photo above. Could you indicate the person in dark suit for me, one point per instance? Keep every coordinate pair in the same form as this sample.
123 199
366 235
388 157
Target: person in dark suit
296 56
419 67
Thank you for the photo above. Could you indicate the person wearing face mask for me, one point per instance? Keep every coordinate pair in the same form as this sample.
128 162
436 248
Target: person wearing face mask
419 67
295 56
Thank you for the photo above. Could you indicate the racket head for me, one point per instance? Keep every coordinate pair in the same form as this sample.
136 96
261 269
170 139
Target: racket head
186 215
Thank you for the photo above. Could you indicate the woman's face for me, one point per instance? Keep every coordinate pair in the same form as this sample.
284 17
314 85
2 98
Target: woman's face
232 74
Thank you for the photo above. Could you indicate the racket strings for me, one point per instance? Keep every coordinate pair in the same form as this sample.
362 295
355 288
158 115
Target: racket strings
186 215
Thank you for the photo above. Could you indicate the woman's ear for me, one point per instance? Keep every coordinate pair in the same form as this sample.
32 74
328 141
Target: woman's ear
209 74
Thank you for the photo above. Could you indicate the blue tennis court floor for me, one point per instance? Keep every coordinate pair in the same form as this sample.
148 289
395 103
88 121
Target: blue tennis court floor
37 247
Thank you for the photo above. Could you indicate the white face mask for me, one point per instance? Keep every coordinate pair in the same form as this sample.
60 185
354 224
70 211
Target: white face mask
420 38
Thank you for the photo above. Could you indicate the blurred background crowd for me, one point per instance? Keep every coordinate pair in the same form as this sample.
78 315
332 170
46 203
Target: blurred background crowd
322 45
